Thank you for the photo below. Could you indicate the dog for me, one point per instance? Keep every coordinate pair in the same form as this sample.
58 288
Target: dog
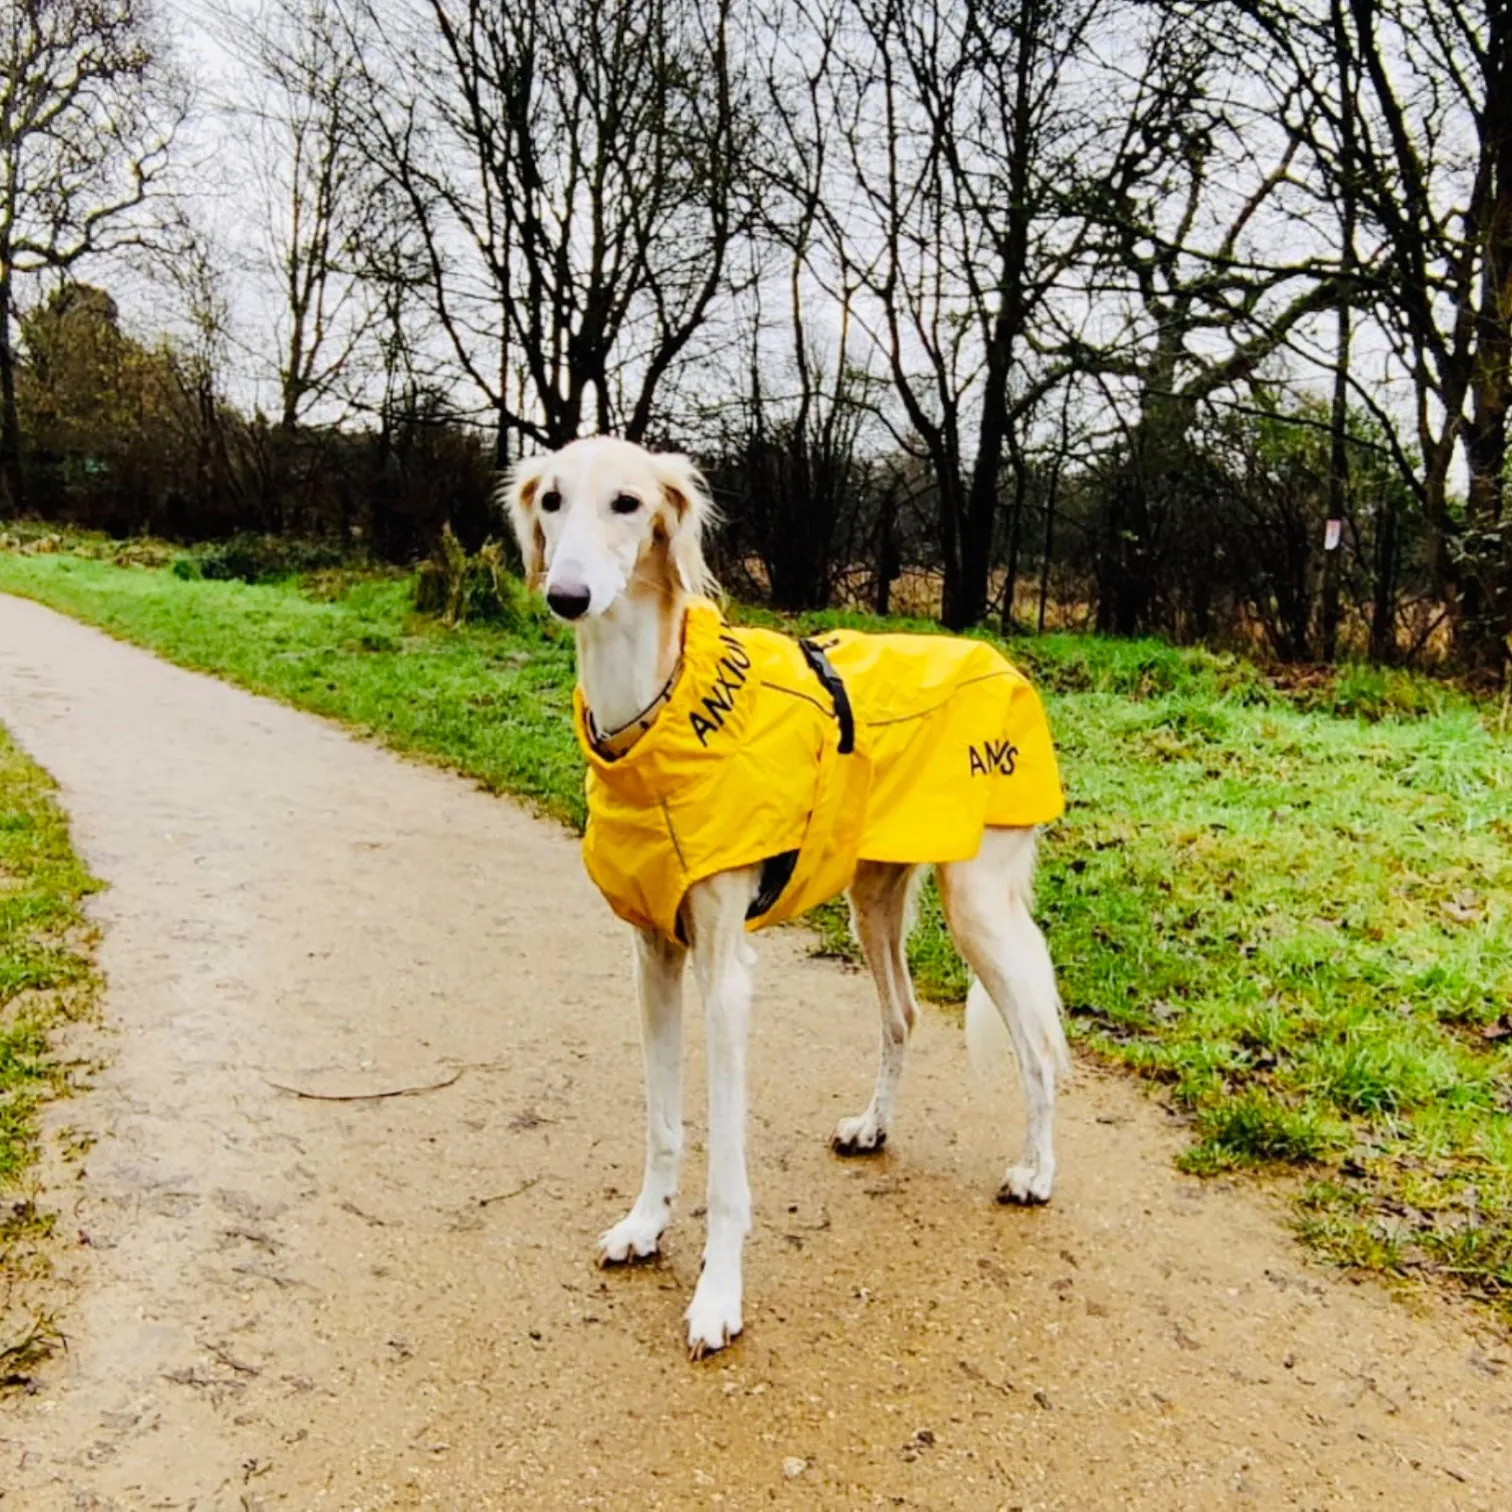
736 777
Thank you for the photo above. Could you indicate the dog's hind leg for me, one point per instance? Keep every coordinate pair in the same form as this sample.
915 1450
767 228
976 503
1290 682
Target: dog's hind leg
658 985
879 916
986 904
722 957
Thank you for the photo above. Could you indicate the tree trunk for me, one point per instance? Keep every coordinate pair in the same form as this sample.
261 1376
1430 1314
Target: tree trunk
1338 459
1155 455
966 598
1109 562
1485 566
888 565
1124 588
1383 610
955 602
1338 487
12 482
1486 603
1131 607
1200 625
1051 500
501 440
967 567
1483 570
968 606
1015 523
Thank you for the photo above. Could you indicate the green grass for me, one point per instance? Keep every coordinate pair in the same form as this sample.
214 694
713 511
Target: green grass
45 977
1290 907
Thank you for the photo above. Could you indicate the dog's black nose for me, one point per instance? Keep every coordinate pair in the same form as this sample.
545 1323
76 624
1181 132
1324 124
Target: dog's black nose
571 602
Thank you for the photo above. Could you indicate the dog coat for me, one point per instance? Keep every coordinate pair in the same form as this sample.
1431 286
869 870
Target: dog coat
806 757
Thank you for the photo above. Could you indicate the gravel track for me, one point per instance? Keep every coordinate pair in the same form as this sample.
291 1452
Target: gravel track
279 1300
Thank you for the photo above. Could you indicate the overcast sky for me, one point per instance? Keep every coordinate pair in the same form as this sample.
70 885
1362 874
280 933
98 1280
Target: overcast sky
219 174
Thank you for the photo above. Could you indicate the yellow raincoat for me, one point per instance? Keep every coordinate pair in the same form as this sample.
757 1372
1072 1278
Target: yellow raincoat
807 757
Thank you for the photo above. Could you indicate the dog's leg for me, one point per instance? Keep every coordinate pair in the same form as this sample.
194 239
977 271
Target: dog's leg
658 985
721 959
878 899
987 906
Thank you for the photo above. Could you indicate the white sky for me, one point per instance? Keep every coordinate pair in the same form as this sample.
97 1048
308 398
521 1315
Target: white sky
219 174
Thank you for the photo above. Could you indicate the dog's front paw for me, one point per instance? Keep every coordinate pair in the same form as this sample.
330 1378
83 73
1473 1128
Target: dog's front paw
636 1237
713 1315
1027 1184
858 1136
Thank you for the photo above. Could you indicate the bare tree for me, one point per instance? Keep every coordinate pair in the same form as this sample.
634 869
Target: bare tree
795 474
1434 176
961 135
1347 195
193 268
1418 97
1202 252
89 106
573 169
298 99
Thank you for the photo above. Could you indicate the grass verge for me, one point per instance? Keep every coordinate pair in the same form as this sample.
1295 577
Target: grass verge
45 978
1291 907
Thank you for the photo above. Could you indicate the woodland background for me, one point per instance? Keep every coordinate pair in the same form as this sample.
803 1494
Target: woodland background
1045 313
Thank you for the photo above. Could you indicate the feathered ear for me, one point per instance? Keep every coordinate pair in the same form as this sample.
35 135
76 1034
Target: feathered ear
689 511
519 494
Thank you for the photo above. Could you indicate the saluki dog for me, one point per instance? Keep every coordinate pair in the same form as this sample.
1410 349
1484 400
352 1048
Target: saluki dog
695 853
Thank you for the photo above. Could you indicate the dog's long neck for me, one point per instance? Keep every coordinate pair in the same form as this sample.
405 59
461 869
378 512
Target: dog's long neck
626 655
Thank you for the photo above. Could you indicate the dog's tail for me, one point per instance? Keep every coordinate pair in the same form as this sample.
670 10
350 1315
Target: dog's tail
988 1043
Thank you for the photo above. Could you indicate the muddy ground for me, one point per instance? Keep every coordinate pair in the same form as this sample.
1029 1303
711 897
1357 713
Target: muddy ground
274 1300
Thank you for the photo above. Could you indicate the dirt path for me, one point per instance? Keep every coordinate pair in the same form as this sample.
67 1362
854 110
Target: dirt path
315 1304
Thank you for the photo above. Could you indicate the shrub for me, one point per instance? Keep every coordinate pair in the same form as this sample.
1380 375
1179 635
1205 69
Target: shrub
259 558
475 590
1376 693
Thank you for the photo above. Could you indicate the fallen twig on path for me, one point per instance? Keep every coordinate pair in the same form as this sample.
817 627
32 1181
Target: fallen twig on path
366 1096
524 1186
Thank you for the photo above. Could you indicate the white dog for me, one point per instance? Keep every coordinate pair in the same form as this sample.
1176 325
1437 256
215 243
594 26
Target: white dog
736 777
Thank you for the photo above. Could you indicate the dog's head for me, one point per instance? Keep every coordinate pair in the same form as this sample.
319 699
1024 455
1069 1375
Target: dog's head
602 517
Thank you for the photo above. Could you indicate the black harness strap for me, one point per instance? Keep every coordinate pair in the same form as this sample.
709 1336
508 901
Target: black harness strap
834 685
777 871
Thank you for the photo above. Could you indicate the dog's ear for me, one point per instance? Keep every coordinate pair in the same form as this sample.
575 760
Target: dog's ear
519 494
688 512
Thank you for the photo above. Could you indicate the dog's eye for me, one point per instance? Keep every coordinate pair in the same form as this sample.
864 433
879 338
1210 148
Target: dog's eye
551 501
625 504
